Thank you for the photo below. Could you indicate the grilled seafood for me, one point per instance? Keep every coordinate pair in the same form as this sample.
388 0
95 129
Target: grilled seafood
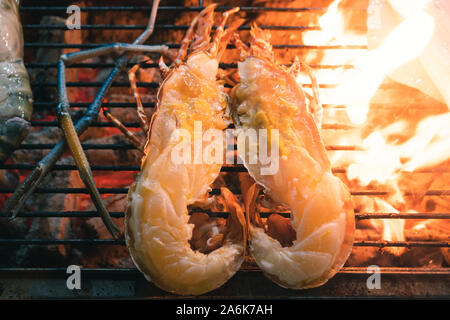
16 102
310 247
165 244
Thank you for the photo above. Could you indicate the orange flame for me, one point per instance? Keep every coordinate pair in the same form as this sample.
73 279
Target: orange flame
381 160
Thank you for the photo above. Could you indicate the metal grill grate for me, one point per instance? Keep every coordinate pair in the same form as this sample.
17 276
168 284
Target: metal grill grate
345 272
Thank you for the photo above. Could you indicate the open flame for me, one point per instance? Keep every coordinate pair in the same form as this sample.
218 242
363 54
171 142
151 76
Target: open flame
382 159
391 229
358 85
403 44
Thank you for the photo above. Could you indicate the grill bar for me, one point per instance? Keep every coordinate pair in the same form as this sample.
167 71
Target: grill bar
213 191
91 146
86 146
139 84
152 105
118 214
398 271
160 27
170 8
154 65
102 167
402 215
71 167
52 45
344 270
234 168
40 123
105 104
379 244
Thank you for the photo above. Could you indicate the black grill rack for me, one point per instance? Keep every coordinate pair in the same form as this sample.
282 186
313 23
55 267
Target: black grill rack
249 282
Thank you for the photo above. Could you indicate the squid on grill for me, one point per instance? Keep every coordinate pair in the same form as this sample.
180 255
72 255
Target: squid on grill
16 101
19 84
308 248
179 253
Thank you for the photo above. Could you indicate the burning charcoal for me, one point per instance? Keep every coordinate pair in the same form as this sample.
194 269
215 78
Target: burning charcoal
51 56
48 228
102 256
423 257
431 230
125 95
362 256
112 35
94 227
51 201
8 179
11 229
45 55
49 255
43 136
113 157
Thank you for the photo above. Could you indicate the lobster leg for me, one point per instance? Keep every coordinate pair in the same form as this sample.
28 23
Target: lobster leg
206 14
128 134
163 68
143 119
17 200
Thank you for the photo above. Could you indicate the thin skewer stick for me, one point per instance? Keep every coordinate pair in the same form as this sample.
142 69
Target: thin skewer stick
65 122
129 135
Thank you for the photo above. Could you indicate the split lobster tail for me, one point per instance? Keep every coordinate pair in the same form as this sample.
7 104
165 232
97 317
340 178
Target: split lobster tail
180 253
307 249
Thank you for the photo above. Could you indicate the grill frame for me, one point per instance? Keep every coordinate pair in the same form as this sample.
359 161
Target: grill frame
252 286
